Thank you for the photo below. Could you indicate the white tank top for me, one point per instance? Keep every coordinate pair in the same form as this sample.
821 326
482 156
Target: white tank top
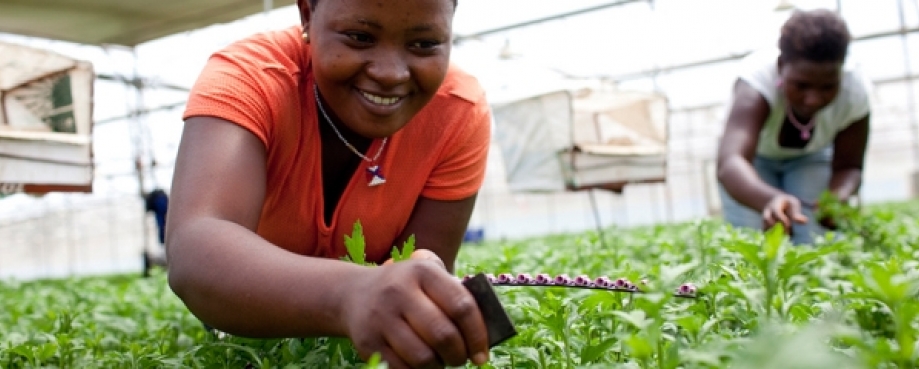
760 70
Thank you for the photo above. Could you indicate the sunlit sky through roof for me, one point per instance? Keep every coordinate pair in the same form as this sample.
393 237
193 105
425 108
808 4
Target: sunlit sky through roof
612 42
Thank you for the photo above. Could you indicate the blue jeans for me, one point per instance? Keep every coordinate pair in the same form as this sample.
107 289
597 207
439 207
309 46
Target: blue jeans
804 177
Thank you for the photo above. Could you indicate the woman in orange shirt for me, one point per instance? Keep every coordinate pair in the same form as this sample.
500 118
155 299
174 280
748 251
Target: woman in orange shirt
291 137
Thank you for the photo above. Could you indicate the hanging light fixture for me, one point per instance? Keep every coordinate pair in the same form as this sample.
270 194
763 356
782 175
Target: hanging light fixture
784 5
506 52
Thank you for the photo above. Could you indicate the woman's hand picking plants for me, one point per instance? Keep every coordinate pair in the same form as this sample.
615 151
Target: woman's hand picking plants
785 209
416 315
422 254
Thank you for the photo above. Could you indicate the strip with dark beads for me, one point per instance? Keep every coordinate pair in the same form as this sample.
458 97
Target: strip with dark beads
687 290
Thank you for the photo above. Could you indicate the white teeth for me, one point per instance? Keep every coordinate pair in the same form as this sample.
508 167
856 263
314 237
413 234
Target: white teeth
380 100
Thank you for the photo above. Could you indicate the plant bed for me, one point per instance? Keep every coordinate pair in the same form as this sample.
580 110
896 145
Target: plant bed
847 302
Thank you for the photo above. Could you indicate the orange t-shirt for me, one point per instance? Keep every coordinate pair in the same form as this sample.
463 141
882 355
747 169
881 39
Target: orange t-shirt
440 154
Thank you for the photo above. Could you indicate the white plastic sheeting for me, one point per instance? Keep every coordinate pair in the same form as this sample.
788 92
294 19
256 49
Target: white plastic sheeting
45 121
120 22
580 138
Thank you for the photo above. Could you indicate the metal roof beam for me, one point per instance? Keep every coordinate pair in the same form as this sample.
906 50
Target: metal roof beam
480 34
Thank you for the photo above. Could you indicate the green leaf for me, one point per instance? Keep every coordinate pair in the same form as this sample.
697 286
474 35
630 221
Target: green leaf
795 261
673 275
24 351
46 351
639 346
592 353
601 301
527 353
775 237
636 318
355 245
249 352
710 359
407 249
375 362
748 250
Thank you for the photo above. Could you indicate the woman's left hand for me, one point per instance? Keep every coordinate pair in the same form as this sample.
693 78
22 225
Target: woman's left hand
828 223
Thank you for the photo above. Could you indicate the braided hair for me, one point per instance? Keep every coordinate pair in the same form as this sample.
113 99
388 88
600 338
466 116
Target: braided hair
818 35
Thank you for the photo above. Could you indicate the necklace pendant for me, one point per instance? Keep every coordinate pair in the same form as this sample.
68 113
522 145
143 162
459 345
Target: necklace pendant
376 176
805 135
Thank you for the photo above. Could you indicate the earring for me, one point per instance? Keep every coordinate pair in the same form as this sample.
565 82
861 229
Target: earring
306 37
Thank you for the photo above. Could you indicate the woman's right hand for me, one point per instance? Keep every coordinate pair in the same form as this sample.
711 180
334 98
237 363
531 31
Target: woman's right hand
416 315
423 254
783 208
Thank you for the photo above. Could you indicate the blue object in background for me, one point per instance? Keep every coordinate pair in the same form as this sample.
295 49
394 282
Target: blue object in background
158 202
474 235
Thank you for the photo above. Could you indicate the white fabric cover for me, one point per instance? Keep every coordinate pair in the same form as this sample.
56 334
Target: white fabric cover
572 138
45 118
121 22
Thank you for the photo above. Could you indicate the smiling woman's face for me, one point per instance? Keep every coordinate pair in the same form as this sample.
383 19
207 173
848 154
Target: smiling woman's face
377 63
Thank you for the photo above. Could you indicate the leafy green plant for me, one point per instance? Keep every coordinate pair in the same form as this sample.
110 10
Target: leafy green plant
356 245
407 249
848 301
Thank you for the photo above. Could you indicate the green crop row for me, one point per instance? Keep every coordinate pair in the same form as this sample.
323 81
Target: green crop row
849 301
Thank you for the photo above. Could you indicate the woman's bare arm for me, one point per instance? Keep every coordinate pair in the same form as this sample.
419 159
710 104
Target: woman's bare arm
439 226
849 159
738 146
228 276
411 312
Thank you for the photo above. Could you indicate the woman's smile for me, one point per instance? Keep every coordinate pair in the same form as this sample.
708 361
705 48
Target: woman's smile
379 66
383 103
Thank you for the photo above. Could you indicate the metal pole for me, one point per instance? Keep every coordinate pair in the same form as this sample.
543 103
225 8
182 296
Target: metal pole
268 6
138 151
134 121
910 96
46 241
72 255
460 38
740 55
596 211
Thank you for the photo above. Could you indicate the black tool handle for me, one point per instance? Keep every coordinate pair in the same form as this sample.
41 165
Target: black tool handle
498 323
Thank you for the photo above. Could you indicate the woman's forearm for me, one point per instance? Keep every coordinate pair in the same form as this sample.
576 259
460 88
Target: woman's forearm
845 183
239 283
741 181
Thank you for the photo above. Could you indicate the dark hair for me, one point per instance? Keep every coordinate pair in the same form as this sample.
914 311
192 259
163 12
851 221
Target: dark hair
313 3
818 35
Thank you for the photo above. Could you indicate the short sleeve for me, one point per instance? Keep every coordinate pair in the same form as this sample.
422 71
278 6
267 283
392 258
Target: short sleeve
760 71
461 171
860 95
234 86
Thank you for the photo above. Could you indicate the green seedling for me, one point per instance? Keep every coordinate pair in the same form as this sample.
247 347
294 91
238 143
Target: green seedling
356 247
847 301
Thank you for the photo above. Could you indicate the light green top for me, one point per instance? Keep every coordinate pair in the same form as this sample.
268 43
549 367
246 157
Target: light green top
760 70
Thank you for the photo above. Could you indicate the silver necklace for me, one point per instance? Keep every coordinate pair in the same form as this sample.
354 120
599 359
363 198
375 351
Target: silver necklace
805 129
376 175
